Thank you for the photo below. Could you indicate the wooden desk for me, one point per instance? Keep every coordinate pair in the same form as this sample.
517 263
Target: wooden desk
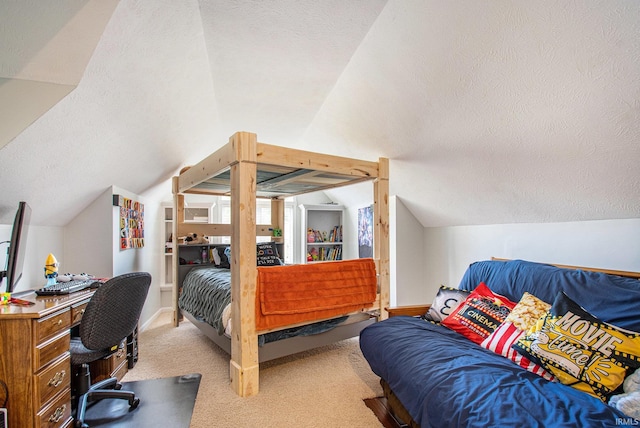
35 360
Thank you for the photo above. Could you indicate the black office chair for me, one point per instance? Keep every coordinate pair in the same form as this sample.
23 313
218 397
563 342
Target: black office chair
111 315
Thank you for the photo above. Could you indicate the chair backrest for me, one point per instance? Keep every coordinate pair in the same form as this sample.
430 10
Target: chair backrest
114 310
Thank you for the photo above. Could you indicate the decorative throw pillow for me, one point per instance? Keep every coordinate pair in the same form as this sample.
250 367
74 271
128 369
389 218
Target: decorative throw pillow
581 350
267 254
527 312
445 302
480 314
524 316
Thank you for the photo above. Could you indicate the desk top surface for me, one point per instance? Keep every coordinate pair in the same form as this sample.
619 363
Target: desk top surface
43 305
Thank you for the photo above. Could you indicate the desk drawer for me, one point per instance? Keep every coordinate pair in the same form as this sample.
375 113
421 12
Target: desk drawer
52 325
120 371
57 414
52 380
120 355
110 366
51 350
77 311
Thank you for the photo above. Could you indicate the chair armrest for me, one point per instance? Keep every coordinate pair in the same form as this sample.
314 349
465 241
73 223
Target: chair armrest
411 310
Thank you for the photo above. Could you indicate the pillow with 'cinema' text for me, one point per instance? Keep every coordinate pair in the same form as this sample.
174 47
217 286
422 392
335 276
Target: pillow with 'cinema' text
480 314
580 350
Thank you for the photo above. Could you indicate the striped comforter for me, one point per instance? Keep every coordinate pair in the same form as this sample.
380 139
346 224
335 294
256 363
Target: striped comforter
205 294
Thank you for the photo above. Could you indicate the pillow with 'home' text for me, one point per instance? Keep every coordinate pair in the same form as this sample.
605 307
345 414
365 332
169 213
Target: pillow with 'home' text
581 350
445 302
480 314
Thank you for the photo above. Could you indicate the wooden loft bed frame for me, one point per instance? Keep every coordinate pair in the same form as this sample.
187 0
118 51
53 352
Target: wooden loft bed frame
246 169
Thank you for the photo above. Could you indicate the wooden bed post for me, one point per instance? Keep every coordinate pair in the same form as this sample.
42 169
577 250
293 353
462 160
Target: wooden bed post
244 367
178 207
277 217
381 232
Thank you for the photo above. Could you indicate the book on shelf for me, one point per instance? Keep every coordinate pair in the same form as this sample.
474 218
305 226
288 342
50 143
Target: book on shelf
336 234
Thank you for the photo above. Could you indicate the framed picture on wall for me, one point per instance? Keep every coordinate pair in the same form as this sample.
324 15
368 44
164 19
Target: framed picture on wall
365 232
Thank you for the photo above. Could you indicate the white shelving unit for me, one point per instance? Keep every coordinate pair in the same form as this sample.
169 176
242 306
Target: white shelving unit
168 245
321 232
197 212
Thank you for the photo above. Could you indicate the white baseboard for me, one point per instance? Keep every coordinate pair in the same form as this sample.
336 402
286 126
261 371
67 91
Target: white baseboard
154 317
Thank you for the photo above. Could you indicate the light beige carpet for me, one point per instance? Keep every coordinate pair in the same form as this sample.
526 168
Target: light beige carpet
319 388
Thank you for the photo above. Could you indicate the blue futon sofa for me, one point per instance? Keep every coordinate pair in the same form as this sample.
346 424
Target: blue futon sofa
436 377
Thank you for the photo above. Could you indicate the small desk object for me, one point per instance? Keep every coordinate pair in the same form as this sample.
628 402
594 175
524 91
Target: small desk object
35 360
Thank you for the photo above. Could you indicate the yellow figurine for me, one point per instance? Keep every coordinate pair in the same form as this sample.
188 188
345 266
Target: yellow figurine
51 269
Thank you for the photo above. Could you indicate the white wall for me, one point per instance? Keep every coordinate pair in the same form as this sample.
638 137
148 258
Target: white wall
611 244
40 242
92 244
88 239
146 259
407 257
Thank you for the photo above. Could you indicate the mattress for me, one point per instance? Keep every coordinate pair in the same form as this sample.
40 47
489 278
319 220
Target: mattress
206 295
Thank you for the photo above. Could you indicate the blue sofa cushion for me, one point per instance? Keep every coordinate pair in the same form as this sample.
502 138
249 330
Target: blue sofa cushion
612 299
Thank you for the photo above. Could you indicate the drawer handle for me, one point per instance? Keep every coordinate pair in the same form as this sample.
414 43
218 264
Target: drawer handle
59 322
58 414
57 379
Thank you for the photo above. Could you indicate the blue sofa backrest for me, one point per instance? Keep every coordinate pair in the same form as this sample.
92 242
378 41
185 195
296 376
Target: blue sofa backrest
612 299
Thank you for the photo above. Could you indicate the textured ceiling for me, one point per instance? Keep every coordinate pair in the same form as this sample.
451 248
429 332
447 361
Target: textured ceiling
491 112
44 50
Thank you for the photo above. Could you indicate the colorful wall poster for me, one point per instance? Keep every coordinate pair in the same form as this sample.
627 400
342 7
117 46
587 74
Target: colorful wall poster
131 222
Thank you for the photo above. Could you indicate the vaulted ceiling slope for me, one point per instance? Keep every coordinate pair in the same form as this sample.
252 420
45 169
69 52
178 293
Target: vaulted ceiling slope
491 112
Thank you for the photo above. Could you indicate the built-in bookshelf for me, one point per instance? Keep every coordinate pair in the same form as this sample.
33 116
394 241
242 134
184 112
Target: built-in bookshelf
193 213
322 232
168 244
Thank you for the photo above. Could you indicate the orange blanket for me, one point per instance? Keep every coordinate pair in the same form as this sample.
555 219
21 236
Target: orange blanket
293 294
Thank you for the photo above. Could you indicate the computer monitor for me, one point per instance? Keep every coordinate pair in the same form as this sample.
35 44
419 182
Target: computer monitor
17 246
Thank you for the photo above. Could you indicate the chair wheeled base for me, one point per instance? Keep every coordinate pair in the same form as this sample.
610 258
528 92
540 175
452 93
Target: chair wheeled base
107 388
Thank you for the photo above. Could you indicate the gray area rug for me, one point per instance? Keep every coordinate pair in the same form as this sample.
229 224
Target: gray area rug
166 402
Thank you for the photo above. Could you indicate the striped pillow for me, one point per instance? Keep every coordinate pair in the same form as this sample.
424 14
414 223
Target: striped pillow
500 342
523 316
